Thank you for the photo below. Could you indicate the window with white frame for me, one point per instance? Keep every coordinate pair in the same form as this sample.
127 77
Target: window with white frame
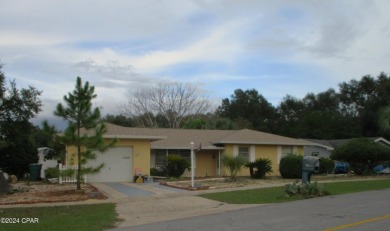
286 150
243 152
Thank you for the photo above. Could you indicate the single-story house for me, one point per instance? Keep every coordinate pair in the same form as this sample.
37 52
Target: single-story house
139 149
323 148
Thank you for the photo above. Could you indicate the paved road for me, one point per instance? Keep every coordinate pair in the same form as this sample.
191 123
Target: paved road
357 211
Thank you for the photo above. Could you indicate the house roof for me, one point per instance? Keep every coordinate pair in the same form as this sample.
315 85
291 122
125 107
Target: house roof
322 143
115 131
247 136
164 138
332 144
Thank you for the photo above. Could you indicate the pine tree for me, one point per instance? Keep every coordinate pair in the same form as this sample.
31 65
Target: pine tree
85 129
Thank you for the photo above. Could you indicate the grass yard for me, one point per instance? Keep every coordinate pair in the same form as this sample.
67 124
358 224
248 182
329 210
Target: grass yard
277 194
75 217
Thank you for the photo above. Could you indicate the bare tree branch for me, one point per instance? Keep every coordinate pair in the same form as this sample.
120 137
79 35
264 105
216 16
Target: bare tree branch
173 101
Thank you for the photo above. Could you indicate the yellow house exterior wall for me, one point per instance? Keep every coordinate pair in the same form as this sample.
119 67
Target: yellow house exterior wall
140 157
206 164
261 151
206 160
269 152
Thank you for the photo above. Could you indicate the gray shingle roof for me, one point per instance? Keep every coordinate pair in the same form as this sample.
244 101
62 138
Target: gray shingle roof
163 138
332 144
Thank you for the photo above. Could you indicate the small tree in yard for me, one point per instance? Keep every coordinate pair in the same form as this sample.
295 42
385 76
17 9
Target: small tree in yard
85 131
233 164
362 154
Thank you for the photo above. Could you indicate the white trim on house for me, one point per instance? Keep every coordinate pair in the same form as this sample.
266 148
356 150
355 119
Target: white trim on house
279 151
235 150
381 139
135 137
252 153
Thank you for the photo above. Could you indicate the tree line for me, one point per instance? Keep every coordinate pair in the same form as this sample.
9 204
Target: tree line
352 110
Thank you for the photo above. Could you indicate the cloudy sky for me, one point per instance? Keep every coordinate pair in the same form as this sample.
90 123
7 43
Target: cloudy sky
277 47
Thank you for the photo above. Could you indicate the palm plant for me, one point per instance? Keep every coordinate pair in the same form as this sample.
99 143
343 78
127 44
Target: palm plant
233 164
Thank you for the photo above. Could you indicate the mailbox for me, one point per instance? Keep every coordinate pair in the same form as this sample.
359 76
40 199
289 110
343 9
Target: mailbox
310 164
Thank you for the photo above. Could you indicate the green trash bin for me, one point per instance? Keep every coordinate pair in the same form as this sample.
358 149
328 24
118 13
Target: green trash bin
35 171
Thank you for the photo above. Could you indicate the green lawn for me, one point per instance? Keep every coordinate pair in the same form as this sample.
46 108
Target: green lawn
75 217
277 194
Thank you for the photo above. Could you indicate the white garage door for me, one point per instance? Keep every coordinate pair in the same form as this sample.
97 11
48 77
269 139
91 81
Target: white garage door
117 165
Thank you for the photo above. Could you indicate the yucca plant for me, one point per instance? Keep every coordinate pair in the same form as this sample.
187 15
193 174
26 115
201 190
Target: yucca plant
233 164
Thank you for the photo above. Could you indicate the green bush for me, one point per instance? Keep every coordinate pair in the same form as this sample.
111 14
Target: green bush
156 172
233 164
52 173
362 155
305 190
326 165
175 165
291 166
259 168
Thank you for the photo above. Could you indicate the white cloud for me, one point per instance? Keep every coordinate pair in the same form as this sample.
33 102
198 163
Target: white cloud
123 45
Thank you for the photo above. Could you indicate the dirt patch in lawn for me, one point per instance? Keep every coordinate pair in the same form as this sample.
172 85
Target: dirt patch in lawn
42 192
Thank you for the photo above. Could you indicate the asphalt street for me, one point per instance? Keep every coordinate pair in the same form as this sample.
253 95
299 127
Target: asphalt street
356 211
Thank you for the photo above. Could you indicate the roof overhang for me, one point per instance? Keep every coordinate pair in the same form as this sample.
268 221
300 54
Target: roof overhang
135 137
261 143
181 148
383 140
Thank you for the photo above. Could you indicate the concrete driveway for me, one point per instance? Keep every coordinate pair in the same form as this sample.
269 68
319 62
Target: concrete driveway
150 202
119 190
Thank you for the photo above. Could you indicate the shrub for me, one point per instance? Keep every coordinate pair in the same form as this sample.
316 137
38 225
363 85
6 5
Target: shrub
362 155
305 190
156 172
259 168
233 164
175 165
326 165
291 166
52 173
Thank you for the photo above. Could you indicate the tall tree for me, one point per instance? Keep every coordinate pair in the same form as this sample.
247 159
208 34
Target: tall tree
384 121
315 116
250 109
360 101
85 130
290 113
167 103
17 107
